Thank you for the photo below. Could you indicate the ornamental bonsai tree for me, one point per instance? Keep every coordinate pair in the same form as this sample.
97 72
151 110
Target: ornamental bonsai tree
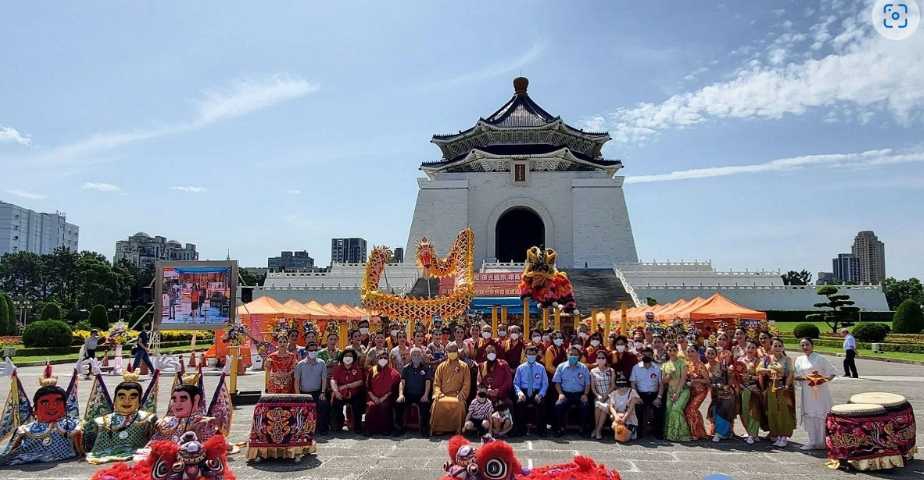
839 310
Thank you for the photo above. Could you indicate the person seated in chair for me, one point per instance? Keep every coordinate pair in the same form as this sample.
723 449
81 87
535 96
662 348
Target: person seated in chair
572 383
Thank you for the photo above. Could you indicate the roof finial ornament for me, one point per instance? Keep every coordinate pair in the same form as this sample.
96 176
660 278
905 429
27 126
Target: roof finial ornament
520 84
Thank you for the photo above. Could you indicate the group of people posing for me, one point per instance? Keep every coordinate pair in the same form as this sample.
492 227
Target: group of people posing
471 379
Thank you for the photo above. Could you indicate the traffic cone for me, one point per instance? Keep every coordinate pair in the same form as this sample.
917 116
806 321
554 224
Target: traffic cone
106 360
202 360
143 369
192 360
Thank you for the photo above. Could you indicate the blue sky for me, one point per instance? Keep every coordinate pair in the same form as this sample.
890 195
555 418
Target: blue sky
758 135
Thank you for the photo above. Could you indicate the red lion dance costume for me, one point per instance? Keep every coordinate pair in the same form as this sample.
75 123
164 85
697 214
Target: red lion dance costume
542 281
495 460
190 460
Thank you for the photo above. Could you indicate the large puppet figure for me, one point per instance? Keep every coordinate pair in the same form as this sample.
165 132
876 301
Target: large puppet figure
543 282
49 431
113 430
187 412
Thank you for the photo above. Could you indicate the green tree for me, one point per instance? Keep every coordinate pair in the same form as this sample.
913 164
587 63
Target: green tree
61 269
99 318
51 311
793 277
908 318
4 315
897 291
12 327
21 275
99 283
840 310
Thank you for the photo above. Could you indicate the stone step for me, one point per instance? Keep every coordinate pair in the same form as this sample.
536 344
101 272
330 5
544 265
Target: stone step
596 288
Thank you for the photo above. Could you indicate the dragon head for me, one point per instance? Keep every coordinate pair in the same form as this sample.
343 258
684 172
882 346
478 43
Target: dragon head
426 254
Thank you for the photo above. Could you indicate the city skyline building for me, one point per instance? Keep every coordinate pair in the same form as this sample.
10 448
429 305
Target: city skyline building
143 250
846 268
25 230
291 260
347 250
870 253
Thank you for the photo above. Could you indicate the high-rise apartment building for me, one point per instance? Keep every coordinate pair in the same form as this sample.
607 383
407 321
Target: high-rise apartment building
870 253
24 230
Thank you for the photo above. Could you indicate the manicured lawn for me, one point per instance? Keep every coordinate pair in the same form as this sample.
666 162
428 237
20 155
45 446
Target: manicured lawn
126 354
786 328
919 357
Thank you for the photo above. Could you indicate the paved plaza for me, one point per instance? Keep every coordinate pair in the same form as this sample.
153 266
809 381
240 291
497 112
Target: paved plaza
347 456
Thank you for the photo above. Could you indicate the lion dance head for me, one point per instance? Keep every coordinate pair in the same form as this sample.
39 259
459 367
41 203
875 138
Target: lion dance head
542 282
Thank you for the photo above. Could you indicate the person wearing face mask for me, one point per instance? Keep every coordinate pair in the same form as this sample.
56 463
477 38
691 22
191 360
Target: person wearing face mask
602 377
535 339
377 346
414 389
363 328
646 380
530 384
482 343
381 385
572 383
311 379
495 374
513 348
621 358
502 340
451 384
346 387
594 345
479 412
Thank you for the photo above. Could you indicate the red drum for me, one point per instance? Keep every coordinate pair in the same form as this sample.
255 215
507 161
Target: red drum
283 427
876 431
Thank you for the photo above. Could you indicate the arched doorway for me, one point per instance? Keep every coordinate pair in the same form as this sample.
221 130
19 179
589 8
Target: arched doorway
517 229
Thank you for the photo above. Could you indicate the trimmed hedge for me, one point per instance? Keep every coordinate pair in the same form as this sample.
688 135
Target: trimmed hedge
126 350
886 347
47 333
799 316
908 318
99 318
806 330
51 311
870 332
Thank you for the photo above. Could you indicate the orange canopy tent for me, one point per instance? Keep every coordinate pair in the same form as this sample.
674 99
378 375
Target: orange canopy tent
718 307
253 315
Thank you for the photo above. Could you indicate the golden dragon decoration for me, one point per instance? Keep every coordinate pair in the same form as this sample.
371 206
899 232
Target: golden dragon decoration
459 264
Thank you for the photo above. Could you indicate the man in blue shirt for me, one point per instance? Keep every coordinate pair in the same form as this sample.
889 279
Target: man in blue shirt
530 385
572 382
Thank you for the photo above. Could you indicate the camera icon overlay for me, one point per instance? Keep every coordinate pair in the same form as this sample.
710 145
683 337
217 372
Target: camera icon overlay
896 19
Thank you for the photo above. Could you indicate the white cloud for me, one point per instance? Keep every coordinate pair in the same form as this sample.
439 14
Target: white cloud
865 72
10 134
239 98
294 191
867 159
246 96
188 189
101 187
25 194
495 69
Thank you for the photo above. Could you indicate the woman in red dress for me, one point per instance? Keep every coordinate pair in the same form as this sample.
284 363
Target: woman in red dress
698 381
280 368
382 385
